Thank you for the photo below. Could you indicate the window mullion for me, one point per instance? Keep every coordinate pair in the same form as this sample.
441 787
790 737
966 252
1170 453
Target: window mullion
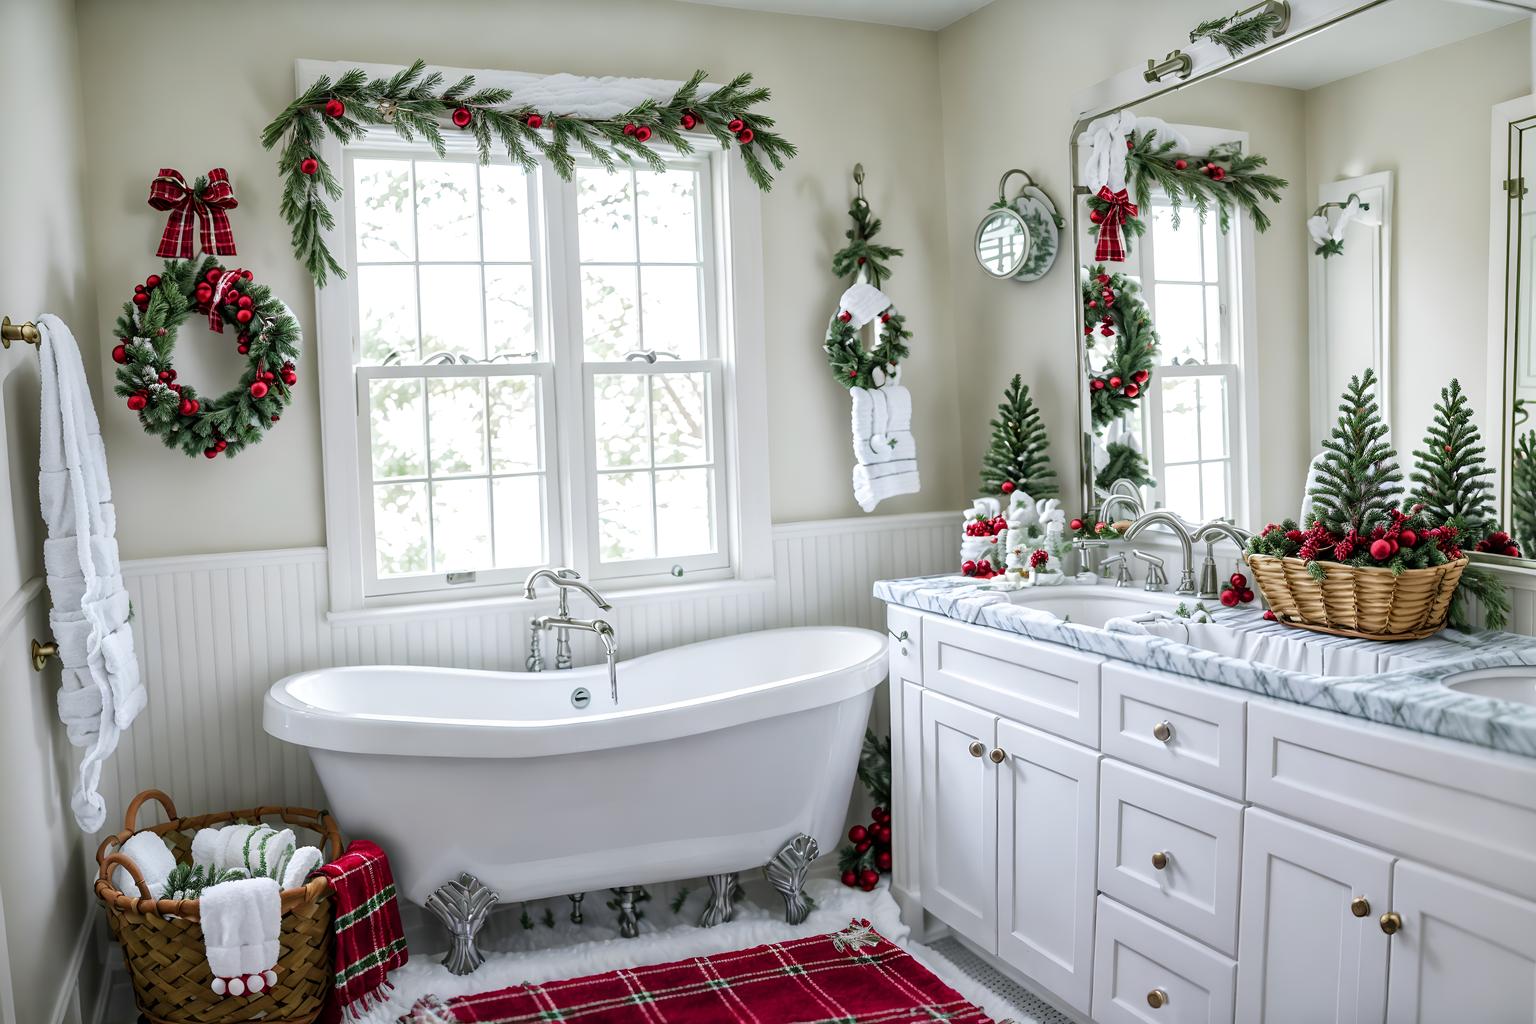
572 405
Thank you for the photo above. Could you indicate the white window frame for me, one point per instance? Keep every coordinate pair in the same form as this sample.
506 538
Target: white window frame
737 383
1239 343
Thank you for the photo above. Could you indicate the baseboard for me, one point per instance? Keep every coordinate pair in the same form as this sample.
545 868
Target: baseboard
69 996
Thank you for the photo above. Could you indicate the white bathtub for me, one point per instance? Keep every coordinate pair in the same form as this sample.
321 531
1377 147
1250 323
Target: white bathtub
717 753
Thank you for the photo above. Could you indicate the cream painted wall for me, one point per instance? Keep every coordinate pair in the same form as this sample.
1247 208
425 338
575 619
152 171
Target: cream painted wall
843 92
1426 119
44 899
1008 75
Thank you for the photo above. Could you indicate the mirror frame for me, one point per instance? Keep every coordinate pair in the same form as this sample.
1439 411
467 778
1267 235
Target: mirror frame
1006 212
1504 265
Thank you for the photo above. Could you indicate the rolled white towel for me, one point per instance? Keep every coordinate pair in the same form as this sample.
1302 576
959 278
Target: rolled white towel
154 861
301 865
269 852
206 845
873 484
241 923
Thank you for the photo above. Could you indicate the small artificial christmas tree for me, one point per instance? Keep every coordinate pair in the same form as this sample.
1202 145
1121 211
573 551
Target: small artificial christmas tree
1358 480
1450 475
1125 463
1016 458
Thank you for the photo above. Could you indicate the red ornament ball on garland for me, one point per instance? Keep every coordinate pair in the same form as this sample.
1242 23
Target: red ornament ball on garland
213 275
736 125
1095 216
1140 376
334 107
210 453
883 835
688 120
643 134
534 121
1093 303
138 289
1131 391
1381 550
1409 538
1180 165
1076 524
309 165
243 349
858 834
1098 384
850 878
880 814
869 877
1007 487
745 136
1217 173
246 275
462 117
138 402
1103 279
845 316
189 407
630 129
152 281
883 860
1114 382
258 389
244 316
141 299
120 354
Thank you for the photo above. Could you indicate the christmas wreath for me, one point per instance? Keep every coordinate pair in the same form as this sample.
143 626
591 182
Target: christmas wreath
266 333
414 102
1113 308
852 364
1224 176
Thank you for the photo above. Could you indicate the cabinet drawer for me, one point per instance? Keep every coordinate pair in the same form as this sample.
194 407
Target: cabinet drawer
1042 685
1204 727
1146 821
1469 810
1138 962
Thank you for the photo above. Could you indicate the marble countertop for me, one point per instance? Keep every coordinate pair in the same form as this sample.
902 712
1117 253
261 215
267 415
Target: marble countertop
1398 684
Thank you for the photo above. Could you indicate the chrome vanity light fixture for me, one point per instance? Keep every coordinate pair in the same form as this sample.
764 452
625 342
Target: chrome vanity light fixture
1019 238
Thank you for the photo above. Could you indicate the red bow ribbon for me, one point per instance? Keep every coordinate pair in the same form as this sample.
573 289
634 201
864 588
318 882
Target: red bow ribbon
208 205
1111 247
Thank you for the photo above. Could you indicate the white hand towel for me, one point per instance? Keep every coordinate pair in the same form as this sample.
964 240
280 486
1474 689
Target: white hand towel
154 861
300 866
100 692
873 484
863 402
893 441
898 408
241 923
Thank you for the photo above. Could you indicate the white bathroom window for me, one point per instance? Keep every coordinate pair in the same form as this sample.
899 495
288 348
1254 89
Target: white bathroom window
540 372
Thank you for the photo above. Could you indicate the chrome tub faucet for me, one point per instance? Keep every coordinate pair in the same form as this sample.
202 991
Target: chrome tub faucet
565 581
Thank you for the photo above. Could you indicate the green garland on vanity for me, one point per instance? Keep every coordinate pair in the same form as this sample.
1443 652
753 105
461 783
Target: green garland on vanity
413 102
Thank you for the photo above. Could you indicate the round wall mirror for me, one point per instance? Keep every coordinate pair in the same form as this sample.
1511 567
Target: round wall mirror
1002 242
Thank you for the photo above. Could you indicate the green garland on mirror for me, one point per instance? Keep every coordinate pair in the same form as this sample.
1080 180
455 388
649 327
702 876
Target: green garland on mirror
1113 308
1224 177
1236 36
414 102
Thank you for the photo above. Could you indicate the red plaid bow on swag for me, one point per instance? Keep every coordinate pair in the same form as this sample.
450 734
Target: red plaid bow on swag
1111 247
207 201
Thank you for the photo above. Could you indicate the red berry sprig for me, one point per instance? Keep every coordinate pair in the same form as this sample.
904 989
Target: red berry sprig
869 856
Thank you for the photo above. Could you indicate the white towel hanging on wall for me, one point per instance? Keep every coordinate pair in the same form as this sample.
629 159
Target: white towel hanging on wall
101 692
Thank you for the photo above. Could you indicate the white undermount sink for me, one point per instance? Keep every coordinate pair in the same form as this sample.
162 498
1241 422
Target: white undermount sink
1095 605
1515 683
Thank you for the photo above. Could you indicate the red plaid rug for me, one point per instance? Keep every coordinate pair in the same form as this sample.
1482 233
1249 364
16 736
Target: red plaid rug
855 976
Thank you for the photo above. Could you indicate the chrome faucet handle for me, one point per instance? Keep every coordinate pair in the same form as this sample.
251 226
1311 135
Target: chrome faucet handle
1123 577
1157 579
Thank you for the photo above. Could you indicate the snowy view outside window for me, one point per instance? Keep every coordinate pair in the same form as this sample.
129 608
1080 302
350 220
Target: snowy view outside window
526 345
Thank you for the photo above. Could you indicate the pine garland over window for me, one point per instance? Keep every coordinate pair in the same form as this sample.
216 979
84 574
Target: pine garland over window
1018 457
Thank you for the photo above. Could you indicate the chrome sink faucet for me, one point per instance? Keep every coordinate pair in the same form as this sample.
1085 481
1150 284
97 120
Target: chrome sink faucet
1208 535
1181 530
565 581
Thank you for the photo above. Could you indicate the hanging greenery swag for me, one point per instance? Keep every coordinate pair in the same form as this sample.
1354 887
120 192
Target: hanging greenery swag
1225 177
415 102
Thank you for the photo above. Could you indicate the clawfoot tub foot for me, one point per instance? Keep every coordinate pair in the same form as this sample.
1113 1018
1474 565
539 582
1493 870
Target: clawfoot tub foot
463 905
786 873
629 921
722 900
576 899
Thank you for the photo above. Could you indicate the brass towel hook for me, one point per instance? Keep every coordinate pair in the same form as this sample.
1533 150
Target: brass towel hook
26 332
41 653
858 179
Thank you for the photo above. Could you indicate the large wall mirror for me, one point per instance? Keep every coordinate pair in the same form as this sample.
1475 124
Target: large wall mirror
1403 240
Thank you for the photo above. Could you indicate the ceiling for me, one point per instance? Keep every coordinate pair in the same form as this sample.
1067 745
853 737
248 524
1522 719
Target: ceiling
1372 39
926 14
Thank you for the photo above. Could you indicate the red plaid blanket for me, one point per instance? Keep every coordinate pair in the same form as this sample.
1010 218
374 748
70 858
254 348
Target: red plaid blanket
855 976
369 939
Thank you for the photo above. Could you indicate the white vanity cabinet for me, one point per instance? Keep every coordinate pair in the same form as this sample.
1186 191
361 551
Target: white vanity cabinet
1146 847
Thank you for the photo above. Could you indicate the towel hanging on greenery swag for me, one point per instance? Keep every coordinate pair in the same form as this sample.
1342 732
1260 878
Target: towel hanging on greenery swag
1224 177
415 103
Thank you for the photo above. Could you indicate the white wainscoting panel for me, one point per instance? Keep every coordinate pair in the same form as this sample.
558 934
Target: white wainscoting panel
214 632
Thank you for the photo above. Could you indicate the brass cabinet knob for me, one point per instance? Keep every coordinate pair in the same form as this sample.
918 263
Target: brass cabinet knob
978 748
1360 906
997 755
1157 998
1162 732
1391 922
1160 859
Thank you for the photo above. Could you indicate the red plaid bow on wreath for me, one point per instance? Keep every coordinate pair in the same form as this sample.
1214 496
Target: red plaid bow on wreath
1120 209
207 202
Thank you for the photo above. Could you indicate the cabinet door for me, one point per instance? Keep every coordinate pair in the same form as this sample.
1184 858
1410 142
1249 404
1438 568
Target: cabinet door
959 869
1302 954
1047 833
1464 953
